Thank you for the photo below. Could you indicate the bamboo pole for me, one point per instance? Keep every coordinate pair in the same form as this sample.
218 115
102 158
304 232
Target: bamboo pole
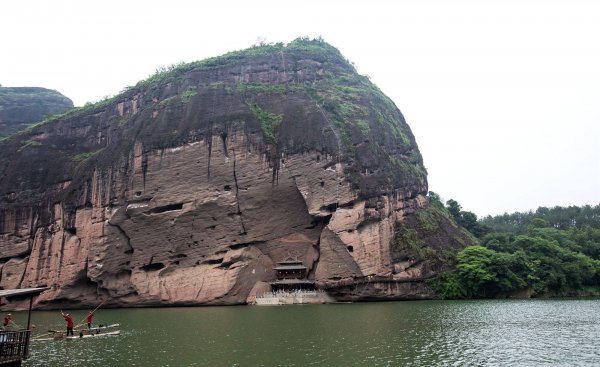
83 320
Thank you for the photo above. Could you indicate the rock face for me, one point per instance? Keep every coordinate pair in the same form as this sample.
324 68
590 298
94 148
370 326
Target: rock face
188 188
22 106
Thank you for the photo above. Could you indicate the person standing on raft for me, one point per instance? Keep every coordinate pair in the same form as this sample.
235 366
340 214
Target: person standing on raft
7 321
69 319
90 318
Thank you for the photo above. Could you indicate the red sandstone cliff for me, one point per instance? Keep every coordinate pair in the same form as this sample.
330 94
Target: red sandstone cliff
189 187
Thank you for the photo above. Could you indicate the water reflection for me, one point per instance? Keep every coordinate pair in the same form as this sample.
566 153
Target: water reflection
424 333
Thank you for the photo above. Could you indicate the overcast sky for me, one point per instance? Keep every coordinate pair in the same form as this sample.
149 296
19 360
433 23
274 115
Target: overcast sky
502 96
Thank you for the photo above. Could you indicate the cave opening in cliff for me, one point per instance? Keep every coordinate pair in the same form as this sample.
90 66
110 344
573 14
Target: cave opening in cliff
237 246
319 221
167 208
153 266
214 261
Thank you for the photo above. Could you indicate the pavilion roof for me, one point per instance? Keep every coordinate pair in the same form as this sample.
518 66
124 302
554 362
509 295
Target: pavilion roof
21 292
290 267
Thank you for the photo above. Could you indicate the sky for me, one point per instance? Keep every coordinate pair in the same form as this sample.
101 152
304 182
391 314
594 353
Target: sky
502 96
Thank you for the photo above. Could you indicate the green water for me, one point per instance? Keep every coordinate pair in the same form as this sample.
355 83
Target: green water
425 333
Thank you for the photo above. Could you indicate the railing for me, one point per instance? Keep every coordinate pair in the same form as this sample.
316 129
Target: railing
292 294
366 280
13 346
293 297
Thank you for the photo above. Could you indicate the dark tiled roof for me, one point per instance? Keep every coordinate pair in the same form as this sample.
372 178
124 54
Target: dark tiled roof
21 292
290 267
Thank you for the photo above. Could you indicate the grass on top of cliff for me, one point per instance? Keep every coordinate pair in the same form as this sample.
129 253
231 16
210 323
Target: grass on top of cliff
316 49
355 109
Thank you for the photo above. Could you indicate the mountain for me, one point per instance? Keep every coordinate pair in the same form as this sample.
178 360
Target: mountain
191 186
22 106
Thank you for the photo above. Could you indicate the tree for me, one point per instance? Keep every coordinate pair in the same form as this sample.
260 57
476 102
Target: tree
554 252
484 272
468 220
474 270
434 197
539 223
454 208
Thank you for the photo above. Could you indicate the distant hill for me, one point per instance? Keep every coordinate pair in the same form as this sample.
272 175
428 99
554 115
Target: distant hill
557 217
22 106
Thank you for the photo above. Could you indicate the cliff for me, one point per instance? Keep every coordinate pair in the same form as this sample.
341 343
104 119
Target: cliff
22 106
188 188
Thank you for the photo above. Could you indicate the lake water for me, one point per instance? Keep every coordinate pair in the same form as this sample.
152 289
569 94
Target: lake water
421 333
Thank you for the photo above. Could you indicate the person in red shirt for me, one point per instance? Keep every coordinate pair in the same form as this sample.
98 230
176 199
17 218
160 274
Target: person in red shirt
69 320
7 320
90 318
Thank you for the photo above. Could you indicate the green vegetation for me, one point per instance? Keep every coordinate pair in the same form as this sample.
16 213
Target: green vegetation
341 96
29 144
317 49
408 242
77 111
466 219
557 217
363 126
123 120
165 102
418 237
256 88
187 95
82 157
217 85
550 252
27 97
268 122
355 112
408 170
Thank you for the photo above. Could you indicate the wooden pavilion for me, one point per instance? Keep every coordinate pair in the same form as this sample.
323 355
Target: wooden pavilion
291 275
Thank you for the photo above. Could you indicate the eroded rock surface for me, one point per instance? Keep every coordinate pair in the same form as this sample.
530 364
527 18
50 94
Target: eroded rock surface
188 188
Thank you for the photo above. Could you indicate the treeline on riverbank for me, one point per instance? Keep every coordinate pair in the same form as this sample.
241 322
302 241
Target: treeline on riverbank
551 252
